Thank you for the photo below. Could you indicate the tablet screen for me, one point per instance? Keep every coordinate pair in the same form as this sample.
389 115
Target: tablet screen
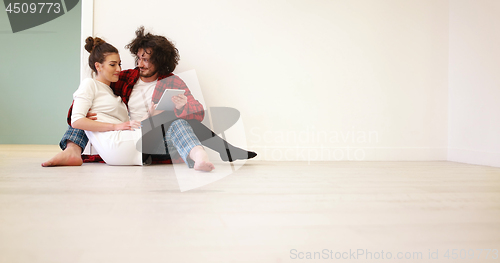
165 102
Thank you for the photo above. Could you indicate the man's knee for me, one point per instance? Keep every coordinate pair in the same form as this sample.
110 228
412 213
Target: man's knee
178 127
179 123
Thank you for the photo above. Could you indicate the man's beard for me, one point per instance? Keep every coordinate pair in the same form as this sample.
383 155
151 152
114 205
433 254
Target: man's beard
147 75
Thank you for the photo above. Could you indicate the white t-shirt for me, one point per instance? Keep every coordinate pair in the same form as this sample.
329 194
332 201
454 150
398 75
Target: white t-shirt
140 99
102 101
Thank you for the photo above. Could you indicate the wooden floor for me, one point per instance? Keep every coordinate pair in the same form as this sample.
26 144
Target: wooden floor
263 212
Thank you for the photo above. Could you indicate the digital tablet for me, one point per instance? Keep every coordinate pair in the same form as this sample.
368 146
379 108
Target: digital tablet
165 102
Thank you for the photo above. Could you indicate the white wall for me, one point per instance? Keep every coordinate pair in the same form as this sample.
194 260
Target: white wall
368 78
474 79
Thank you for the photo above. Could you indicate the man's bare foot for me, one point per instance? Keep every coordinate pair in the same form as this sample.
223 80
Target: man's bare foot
71 156
200 158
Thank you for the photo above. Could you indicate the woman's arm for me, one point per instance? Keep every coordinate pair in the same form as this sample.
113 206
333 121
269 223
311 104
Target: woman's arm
90 125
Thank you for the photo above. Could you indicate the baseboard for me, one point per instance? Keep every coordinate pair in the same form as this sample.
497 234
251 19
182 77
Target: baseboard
350 153
474 157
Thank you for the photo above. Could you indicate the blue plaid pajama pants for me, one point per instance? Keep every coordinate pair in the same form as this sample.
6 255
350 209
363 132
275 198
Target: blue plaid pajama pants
179 139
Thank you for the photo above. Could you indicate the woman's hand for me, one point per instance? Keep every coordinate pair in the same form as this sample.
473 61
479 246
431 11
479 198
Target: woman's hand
127 126
179 101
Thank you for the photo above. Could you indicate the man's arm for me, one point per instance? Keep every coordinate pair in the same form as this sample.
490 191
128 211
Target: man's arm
192 110
125 84
90 115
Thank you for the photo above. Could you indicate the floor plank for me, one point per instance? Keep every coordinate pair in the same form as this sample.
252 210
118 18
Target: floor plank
262 212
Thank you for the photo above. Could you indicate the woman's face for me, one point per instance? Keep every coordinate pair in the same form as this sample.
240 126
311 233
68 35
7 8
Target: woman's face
109 70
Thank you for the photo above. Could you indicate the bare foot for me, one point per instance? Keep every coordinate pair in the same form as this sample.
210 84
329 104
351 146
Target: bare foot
200 158
71 156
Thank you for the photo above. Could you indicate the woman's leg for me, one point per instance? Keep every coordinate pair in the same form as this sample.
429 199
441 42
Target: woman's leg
118 147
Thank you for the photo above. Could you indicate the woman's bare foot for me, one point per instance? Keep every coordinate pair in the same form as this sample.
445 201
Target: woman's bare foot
71 156
200 158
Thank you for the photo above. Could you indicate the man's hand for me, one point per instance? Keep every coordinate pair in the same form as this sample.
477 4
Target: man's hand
179 101
152 111
127 126
91 116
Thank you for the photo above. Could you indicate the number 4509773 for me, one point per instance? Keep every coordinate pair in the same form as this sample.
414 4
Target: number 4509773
32 8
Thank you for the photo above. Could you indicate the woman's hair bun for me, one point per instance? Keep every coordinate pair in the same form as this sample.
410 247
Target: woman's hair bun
92 42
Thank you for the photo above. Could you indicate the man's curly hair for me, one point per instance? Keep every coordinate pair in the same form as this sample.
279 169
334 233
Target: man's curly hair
164 56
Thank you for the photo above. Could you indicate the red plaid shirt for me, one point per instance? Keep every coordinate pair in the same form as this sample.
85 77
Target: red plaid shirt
125 84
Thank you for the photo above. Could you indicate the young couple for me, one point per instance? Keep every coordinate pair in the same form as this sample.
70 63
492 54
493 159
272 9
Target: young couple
99 111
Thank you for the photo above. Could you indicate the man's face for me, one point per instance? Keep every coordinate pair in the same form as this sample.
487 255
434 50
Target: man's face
147 69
